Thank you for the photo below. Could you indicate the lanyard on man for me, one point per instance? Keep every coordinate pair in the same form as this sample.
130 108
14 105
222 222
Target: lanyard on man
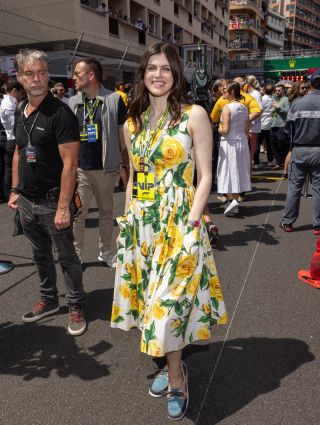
31 154
89 132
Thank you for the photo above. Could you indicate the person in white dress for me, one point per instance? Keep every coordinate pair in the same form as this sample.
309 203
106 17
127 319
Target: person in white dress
234 157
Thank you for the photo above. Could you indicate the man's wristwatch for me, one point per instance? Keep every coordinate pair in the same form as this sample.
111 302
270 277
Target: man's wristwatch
14 190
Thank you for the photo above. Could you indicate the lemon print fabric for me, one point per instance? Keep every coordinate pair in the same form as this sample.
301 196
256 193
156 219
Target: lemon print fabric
166 282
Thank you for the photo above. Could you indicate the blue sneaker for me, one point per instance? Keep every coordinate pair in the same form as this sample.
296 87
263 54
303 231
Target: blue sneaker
159 386
178 400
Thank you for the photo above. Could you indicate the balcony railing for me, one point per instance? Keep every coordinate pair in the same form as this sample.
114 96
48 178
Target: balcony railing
241 44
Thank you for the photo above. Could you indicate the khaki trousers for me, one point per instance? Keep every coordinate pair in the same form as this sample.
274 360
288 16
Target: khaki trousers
99 184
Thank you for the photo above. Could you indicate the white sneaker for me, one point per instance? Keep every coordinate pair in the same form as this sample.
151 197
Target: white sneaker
106 257
271 163
230 208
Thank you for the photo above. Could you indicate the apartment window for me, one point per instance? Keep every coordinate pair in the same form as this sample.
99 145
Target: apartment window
176 8
113 26
153 24
190 18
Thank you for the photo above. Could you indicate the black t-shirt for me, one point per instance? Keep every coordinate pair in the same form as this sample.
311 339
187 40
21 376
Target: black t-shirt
91 153
54 125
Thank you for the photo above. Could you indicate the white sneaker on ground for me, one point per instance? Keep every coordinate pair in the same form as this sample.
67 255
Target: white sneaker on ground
230 208
106 257
271 163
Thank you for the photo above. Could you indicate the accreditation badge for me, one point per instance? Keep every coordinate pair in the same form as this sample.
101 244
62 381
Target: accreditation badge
31 155
92 131
145 186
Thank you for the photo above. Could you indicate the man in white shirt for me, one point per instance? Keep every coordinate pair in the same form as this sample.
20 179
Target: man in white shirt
266 122
255 127
15 93
59 92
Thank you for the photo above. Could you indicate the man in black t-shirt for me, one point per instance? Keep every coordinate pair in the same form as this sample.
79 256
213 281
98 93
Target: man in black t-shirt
43 180
103 154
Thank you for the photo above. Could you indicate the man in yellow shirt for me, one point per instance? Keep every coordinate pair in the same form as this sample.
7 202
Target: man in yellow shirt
249 101
120 90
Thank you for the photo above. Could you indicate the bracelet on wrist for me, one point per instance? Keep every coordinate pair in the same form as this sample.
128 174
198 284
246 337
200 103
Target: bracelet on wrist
14 190
194 223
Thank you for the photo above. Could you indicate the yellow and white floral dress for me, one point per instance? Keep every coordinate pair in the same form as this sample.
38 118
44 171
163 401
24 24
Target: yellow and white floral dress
166 281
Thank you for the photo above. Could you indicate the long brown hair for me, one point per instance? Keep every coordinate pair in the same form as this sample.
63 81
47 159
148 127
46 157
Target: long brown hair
295 91
177 96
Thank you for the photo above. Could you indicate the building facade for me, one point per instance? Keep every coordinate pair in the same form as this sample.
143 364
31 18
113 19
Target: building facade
254 31
116 32
303 23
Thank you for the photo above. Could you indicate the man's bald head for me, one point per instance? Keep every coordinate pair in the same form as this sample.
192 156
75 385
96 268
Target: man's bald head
239 80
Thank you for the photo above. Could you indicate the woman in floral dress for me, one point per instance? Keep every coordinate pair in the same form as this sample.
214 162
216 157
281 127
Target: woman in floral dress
166 282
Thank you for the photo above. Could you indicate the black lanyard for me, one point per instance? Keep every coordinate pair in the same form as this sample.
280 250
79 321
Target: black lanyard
28 133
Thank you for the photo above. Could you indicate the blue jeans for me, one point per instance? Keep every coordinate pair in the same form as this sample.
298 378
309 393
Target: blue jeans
37 220
303 161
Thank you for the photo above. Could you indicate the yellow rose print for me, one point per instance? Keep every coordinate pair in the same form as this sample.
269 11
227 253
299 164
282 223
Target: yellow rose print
131 126
146 319
159 168
186 266
143 346
144 249
206 308
223 319
172 152
136 161
158 311
187 175
177 290
175 243
154 348
176 323
115 312
136 276
134 300
203 333
163 254
193 284
215 290
125 290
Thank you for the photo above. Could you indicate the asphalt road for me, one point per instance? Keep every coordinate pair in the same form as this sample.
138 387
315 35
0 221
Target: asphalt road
261 369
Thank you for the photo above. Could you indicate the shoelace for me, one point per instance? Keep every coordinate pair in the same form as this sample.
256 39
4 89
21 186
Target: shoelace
75 314
161 372
176 393
39 306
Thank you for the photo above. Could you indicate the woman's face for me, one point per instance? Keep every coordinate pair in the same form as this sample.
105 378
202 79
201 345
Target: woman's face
158 77
302 89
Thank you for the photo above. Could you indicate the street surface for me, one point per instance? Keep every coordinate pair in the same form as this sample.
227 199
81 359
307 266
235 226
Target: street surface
260 369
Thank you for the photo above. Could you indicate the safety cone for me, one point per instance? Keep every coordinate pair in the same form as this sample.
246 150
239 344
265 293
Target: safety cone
312 276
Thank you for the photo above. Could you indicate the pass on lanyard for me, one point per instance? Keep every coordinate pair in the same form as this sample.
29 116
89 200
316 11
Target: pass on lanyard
145 186
31 155
89 133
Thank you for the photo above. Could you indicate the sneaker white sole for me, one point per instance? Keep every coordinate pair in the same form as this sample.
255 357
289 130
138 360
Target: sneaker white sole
156 395
78 332
230 208
40 316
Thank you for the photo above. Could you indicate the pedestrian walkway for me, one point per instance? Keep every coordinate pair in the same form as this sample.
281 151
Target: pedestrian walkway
260 369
